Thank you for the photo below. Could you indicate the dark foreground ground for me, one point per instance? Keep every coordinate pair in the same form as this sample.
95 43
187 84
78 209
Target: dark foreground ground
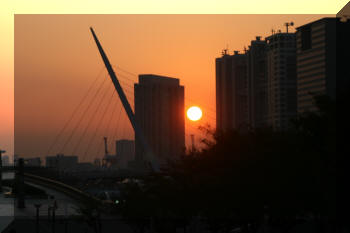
28 225
61 225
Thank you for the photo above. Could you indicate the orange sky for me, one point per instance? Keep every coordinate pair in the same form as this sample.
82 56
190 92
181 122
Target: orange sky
8 10
56 60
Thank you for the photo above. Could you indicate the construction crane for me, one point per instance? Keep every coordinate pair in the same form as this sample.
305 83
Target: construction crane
108 160
138 131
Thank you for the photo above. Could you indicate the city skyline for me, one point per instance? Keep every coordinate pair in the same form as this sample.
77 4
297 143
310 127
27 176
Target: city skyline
188 123
190 42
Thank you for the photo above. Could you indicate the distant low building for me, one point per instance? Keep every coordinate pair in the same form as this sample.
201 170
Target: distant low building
110 161
33 162
5 160
83 167
61 162
97 162
125 151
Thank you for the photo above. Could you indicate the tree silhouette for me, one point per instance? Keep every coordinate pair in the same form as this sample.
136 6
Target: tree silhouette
246 179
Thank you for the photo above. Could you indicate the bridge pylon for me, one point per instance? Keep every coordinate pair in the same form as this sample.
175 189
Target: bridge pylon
138 131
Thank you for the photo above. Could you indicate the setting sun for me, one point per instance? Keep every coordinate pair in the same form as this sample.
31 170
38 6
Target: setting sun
194 113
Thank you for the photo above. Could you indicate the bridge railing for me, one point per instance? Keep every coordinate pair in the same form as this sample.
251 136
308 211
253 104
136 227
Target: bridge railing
73 192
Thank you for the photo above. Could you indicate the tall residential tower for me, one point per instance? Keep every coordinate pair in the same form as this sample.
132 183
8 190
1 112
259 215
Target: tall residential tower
257 83
231 91
281 79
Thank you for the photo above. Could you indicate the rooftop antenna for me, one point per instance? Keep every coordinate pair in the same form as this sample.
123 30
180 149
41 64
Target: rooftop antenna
288 24
224 51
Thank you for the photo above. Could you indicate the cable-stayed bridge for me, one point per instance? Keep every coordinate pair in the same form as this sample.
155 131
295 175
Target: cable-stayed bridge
98 113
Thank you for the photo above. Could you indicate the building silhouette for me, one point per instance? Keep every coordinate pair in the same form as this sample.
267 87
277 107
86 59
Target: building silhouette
231 91
33 162
159 111
281 79
5 160
257 83
316 61
125 152
61 161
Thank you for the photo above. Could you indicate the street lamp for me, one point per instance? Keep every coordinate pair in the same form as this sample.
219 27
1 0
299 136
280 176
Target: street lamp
37 206
1 152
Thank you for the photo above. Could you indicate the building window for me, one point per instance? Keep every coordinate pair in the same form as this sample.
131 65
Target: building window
306 38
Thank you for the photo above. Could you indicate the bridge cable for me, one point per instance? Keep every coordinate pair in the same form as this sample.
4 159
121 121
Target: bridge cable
93 117
117 122
74 112
108 128
104 114
83 115
99 146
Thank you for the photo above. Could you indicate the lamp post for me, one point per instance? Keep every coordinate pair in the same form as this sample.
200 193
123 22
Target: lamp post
37 206
1 151
54 207
49 213
20 184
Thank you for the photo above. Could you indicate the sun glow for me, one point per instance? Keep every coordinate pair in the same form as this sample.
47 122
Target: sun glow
194 113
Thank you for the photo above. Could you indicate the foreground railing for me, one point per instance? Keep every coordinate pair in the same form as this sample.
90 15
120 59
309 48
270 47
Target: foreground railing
74 193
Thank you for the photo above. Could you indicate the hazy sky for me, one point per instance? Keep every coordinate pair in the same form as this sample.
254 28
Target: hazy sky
8 9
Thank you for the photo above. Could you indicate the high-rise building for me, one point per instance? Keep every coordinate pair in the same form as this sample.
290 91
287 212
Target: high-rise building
281 79
316 61
125 152
231 91
159 111
257 83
